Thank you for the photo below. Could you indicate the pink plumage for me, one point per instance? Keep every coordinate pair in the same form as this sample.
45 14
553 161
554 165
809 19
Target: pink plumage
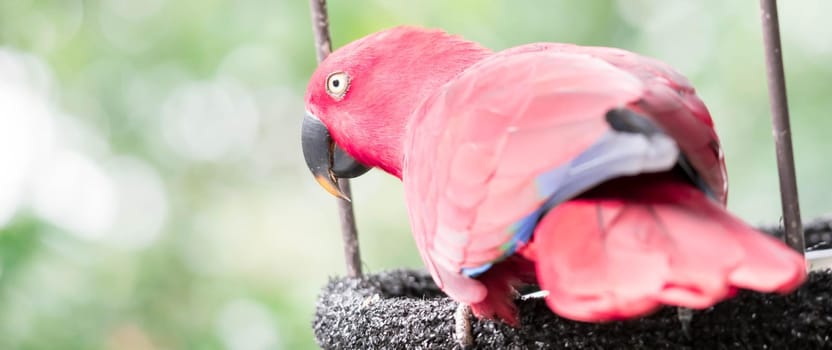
484 141
650 241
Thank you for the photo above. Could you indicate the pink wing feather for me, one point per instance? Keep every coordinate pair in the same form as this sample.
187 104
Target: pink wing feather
670 100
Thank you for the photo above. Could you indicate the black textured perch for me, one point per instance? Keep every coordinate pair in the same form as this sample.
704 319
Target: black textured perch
404 310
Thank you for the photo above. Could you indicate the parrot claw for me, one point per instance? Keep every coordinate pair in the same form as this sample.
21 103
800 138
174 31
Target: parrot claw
685 317
462 326
541 294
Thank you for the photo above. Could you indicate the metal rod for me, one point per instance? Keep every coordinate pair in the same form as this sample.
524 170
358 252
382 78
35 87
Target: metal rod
349 233
780 122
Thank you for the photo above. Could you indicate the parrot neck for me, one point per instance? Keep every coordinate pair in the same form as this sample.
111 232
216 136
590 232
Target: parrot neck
447 57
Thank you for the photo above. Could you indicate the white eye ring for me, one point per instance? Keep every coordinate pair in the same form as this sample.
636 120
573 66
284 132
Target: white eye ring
337 84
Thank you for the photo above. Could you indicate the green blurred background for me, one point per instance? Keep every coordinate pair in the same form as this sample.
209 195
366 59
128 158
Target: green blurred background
152 190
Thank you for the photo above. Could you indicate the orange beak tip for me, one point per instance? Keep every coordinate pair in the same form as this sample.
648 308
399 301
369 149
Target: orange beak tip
331 186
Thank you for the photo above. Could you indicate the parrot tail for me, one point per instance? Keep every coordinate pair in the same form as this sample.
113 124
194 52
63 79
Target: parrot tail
633 244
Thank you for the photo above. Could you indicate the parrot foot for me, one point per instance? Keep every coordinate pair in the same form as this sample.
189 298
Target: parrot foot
462 326
685 316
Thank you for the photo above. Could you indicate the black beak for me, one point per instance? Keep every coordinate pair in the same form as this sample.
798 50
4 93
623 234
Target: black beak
325 159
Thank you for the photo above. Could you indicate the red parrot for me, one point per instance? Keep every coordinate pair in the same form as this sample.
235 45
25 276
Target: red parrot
593 172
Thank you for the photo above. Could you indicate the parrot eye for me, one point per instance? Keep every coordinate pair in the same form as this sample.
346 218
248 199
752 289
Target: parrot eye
337 84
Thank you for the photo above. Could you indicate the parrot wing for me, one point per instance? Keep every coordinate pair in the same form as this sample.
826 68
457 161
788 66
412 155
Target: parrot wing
671 101
529 128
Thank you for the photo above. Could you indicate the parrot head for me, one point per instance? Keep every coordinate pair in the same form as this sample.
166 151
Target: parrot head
360 98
